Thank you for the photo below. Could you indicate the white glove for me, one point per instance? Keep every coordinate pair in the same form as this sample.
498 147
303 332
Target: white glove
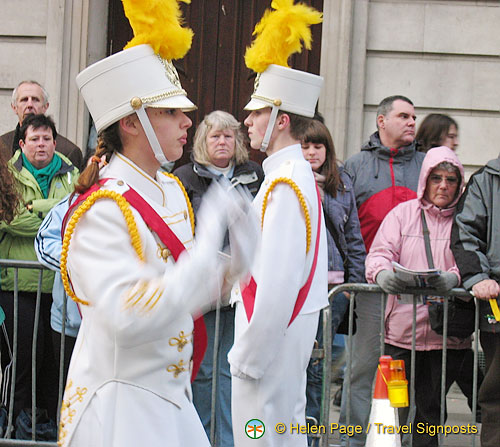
244 233
212 219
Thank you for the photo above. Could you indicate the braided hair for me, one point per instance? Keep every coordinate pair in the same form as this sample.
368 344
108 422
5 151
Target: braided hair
108 142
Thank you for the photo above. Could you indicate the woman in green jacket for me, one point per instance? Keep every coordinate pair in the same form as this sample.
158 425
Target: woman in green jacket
43 177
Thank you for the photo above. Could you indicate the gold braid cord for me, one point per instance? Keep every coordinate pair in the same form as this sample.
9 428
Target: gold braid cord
188 202
79 212
302 202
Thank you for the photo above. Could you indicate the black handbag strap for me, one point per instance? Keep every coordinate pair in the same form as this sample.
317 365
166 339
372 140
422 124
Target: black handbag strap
427 240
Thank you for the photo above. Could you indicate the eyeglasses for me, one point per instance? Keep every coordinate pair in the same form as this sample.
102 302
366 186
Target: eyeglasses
437 179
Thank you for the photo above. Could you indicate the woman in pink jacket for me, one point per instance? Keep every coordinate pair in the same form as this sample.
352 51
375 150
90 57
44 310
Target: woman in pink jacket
400 238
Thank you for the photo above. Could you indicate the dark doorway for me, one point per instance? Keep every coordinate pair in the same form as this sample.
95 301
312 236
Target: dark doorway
214 72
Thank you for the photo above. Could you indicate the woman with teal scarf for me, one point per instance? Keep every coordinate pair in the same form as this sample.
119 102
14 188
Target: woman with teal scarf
43 177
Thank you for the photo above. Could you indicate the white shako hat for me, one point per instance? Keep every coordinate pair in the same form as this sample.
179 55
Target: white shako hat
122 83
291 90
128 82
280 33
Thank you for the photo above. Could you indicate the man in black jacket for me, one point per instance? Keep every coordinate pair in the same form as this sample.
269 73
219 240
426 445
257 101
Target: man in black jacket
30 98
476 246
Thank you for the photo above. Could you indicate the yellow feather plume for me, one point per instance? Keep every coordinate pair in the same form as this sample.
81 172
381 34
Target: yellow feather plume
159 24
280 33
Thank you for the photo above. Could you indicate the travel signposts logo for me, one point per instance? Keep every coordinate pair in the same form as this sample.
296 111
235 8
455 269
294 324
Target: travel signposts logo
255 428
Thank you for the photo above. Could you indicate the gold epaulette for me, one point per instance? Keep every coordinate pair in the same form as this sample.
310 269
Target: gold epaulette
302 202
79 212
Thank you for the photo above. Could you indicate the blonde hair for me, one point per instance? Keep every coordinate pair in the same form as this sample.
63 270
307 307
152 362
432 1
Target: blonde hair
219 120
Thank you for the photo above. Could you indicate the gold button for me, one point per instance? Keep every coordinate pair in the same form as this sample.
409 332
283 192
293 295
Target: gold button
165 253
237 291
120 182
185 215
277 102
136 102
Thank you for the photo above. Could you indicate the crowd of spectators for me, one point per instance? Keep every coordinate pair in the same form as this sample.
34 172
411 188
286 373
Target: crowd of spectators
375 203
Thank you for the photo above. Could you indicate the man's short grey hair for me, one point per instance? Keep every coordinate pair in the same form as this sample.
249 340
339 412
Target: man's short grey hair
385 105
44 92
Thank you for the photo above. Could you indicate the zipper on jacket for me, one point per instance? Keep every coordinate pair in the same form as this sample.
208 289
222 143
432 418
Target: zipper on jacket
391 163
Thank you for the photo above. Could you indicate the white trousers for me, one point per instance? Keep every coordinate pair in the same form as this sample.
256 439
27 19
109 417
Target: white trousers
280 395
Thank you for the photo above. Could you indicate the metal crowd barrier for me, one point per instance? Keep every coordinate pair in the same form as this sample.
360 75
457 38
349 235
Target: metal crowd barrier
353 289
324 353
6 440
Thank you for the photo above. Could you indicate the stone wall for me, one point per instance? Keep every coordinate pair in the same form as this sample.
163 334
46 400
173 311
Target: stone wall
444 55
50 41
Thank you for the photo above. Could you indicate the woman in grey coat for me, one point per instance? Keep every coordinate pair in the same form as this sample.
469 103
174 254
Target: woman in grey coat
218 151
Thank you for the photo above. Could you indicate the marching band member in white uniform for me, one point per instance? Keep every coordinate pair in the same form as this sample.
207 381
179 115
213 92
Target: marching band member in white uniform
130 261
277 310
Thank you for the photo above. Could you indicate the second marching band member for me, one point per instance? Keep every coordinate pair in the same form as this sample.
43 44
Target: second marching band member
277 308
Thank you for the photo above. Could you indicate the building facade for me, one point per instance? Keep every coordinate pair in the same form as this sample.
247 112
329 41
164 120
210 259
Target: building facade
443 54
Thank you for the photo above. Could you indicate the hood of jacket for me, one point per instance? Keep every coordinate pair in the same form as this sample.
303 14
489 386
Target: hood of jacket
434 157
493 166
383 152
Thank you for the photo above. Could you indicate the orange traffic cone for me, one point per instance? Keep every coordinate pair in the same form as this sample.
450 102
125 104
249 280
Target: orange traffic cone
383 423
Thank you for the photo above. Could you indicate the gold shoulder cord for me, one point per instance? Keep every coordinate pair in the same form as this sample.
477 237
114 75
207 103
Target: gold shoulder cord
302 202
188 202
79 212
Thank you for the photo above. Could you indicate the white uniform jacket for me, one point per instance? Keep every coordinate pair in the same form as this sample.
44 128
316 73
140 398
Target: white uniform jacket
135 342
281 266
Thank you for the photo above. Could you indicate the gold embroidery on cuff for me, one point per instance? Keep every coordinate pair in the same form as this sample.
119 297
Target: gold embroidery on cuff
135 293
156 292
156 301
139 296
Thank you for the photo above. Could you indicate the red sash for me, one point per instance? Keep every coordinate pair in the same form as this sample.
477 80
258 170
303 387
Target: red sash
249 290
171 241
